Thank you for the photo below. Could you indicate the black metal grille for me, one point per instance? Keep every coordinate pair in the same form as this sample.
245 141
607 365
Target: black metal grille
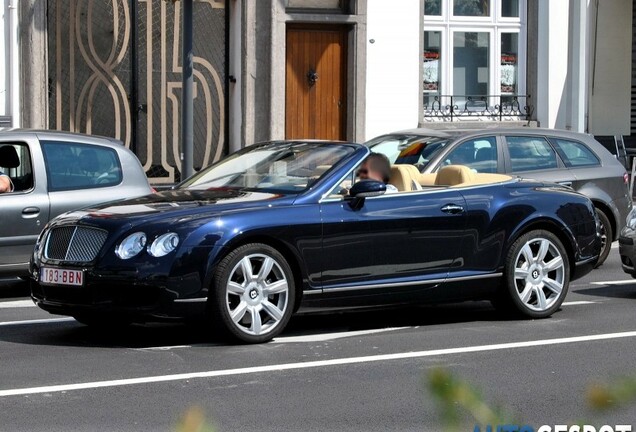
73 243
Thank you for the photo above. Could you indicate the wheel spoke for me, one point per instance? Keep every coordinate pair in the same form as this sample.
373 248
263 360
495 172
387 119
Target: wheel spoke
554 264
275 287
256 321
553 285
541 300
526 293
543 250
238 313
266 268
527 253
246 268
272 310
235 288
521 273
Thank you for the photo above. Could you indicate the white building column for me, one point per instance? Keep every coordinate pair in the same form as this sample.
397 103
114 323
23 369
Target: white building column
552 63
579 40
393 66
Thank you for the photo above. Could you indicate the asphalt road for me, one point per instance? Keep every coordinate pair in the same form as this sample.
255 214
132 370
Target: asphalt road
358 371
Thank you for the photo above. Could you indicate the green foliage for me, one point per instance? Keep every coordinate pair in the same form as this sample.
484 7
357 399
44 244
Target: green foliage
605 396
457 399
194 421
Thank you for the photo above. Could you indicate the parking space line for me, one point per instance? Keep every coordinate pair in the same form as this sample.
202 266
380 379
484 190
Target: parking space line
615 282
16 304
37 321
577 303
310 364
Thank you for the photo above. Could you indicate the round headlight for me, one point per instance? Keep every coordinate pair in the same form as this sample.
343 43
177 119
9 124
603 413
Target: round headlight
164 244
131 246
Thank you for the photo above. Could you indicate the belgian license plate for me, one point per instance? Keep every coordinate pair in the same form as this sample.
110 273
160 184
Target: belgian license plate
56 276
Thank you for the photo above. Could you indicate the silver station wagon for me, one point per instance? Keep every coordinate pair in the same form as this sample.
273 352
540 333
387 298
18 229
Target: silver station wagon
54 172
568 158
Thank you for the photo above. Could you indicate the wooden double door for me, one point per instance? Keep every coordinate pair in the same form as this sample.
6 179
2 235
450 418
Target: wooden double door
316 82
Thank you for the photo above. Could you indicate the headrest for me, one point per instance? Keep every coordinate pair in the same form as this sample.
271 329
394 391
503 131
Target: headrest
9 157
402 176
451 175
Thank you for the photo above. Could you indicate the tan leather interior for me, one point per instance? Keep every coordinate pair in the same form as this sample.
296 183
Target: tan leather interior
405 177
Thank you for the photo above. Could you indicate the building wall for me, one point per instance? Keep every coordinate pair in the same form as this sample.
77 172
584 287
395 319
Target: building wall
9 65
393 64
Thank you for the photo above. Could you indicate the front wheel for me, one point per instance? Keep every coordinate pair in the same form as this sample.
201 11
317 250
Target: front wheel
536 275
253 294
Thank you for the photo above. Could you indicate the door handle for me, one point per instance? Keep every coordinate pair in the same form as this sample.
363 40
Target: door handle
453 209
30 211
566 183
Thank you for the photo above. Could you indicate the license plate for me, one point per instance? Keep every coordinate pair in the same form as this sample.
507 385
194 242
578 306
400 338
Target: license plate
55 276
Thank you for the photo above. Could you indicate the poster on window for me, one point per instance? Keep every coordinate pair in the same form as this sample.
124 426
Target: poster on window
508 73
431 71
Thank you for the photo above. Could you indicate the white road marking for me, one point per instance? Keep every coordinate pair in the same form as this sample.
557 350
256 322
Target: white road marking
615 282
164 348
311 364
577 303
17 304
38 321
323 337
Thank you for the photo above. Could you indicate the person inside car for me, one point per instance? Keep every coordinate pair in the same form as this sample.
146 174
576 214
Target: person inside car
5 183
377 167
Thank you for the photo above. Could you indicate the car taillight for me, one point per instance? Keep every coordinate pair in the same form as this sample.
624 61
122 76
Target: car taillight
626 178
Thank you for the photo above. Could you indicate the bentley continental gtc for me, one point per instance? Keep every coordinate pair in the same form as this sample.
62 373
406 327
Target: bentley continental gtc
285 226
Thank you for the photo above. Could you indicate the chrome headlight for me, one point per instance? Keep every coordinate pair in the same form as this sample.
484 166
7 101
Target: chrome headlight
631 218
131 245
163 245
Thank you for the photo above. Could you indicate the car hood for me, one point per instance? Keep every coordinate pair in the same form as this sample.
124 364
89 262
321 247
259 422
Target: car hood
178 204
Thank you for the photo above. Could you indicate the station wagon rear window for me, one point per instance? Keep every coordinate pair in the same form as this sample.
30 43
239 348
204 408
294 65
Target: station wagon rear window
575 154
80 166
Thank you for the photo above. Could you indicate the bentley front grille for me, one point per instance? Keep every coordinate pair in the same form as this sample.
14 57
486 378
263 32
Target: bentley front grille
74 243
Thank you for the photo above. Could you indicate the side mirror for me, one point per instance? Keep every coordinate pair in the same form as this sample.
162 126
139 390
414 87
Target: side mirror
362 190
367 189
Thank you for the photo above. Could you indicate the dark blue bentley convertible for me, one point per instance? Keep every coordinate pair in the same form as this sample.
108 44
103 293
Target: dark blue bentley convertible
284 225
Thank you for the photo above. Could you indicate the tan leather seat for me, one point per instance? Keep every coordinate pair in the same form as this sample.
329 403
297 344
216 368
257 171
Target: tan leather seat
404 177
451 175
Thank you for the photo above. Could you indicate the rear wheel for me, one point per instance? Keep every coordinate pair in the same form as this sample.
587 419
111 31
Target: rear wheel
536 276
606 236
253 294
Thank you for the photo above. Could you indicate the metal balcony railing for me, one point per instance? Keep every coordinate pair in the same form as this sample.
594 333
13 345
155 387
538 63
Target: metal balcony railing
508 107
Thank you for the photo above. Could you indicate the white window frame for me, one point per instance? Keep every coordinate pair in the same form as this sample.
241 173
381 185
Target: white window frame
495 25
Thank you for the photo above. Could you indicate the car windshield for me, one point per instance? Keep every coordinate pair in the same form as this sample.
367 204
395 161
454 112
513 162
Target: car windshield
280 168
408 149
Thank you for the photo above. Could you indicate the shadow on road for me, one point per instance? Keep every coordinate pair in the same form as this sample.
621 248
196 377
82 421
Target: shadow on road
72 333
625 291
12 288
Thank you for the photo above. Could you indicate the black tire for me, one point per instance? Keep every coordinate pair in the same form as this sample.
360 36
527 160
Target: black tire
260 314
607 235
535 294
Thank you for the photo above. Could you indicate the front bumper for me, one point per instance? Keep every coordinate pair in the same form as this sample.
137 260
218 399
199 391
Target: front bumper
138 299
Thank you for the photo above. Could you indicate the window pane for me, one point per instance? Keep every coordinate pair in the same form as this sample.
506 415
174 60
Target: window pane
471 7
509 57
432 65
530 154
433 7
575 154
471 63
510 8
80 166
15 162
479 154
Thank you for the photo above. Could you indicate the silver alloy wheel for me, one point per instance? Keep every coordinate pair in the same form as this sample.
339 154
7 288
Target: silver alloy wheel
257 294
539 274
